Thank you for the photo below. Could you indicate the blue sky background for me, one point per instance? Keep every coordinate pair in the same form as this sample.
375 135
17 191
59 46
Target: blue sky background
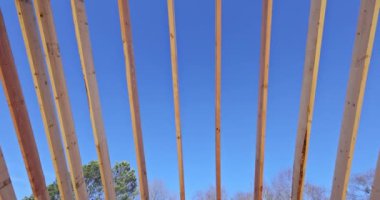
240 69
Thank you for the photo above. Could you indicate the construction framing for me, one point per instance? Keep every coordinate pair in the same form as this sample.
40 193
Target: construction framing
37 24
313 49
266 26
173 50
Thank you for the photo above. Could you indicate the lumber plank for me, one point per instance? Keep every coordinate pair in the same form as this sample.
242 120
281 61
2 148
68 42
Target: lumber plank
50 47
45 97
263 95
375 192
126 33
6 188
365 34
20 117
174 61
309 83
86 57
218 88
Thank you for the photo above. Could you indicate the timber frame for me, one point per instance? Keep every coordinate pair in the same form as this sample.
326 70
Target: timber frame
37 23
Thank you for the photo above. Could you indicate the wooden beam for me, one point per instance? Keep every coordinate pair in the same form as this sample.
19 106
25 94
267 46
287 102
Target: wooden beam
6 188
309 83
42 88
218 89
20 117
365 34
126 33
85 52
173 48
263 95
57 79
375 192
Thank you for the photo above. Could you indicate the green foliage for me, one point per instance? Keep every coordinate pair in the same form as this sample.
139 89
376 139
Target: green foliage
53 191
93 180
124 179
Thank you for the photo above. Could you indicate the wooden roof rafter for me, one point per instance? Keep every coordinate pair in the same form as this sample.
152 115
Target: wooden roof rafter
309 84
364 40
365 34
6 188
126 33
375 191
50 47
37 65
20 117
218 90
266 27
173 48
85 52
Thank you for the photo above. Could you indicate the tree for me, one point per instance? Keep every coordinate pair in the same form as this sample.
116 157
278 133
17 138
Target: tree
243 196
93 180
124 179
52 190
360 185
210 194
158 191
281 187
314 192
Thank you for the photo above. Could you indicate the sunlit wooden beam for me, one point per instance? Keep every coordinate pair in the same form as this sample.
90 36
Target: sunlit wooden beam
375 192
6 188
365 34
20 117
309 83
45 97
218 90
263 95
57 79
173 48
87 61
126 33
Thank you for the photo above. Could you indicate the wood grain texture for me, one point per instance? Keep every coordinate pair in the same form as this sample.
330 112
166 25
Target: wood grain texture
87 61
263 95
365 34
126 33
57 80
309 83
173 50
45 97
375 192
218 90
6 188
20 117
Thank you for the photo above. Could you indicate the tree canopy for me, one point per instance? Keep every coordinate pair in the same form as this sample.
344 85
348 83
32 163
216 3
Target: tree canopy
124 178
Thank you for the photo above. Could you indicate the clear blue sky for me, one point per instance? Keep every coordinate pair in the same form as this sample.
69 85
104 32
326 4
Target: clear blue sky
195 32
